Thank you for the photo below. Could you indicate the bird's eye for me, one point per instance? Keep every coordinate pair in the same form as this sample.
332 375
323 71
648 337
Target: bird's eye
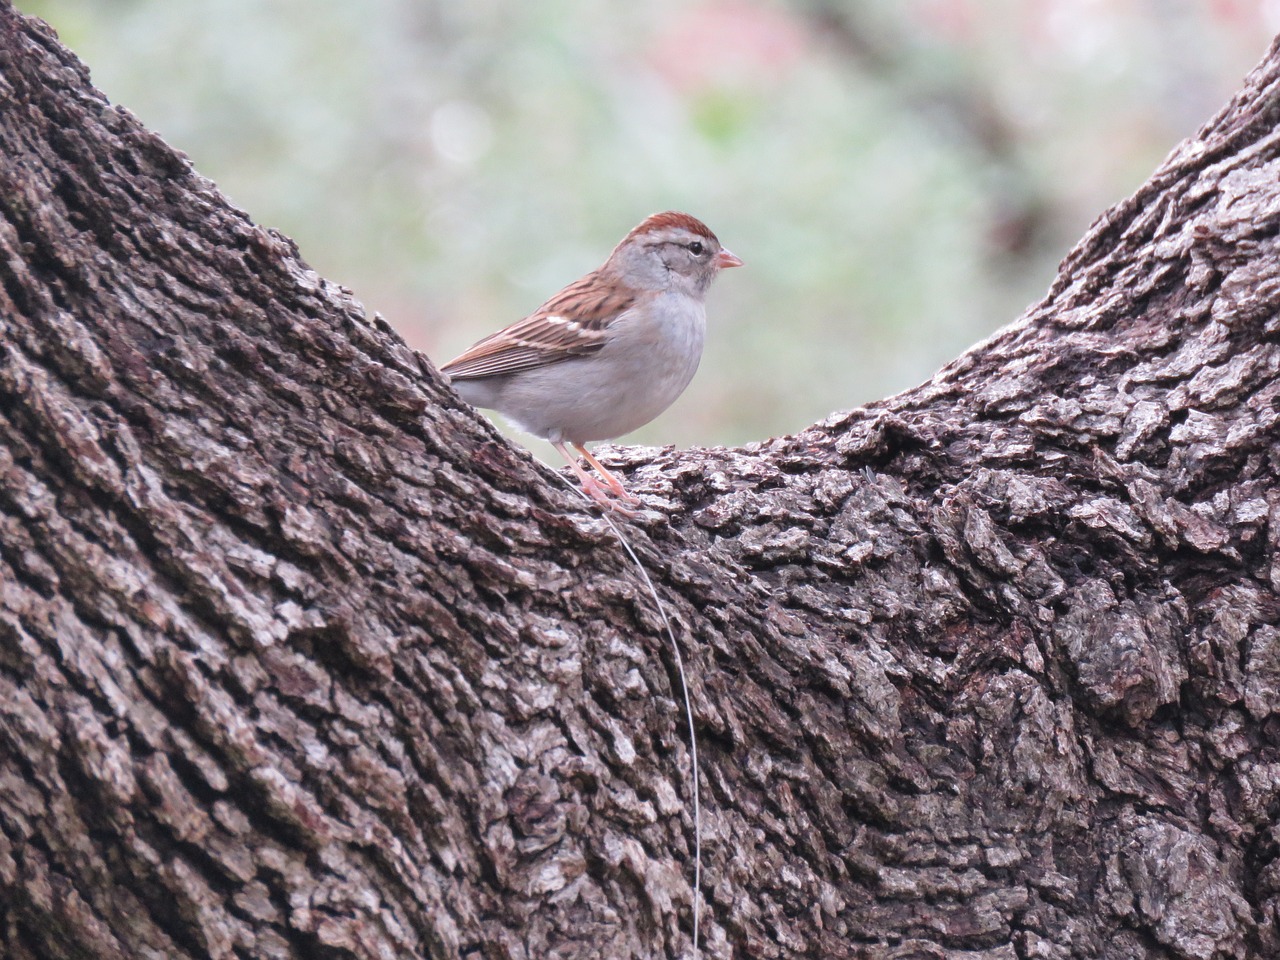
696 248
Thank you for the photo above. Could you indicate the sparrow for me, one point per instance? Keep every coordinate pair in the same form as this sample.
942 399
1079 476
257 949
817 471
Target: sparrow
609 352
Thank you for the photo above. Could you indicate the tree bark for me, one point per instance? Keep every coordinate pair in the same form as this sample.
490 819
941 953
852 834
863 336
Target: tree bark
298 658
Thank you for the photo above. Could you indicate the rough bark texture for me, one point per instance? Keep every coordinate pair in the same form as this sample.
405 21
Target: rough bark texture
299 659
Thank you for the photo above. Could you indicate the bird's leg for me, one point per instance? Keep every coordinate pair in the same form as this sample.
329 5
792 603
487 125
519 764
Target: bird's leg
613 483
590 485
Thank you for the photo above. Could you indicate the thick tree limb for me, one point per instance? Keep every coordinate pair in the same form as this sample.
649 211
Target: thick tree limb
298 658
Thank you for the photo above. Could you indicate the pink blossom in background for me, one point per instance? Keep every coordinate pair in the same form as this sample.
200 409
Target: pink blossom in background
729 43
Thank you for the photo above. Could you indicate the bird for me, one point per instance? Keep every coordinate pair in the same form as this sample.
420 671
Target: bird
609 352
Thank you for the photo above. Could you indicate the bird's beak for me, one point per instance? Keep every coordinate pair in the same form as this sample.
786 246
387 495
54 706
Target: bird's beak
726 259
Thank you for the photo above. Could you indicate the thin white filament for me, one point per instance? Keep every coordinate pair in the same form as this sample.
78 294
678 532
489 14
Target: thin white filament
688 713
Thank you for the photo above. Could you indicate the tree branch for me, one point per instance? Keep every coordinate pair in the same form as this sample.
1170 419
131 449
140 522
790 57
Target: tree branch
299 658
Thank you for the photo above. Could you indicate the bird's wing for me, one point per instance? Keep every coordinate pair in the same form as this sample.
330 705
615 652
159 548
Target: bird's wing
573 323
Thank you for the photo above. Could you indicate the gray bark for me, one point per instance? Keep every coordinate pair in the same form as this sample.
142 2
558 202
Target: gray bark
298 658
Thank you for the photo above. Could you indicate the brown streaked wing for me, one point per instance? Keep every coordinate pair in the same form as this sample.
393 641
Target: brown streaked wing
570 324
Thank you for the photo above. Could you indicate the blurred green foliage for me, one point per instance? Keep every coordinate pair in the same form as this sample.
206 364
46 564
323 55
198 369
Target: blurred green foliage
901 176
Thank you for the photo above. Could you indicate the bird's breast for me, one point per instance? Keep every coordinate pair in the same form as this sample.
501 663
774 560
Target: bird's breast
661 344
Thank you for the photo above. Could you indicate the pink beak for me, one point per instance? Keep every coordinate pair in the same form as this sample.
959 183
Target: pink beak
725 258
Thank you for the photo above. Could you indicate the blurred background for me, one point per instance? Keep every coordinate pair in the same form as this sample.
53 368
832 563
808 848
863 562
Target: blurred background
900 176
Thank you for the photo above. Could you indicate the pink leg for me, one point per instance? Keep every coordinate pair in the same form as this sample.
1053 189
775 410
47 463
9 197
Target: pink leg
590 485
613 483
